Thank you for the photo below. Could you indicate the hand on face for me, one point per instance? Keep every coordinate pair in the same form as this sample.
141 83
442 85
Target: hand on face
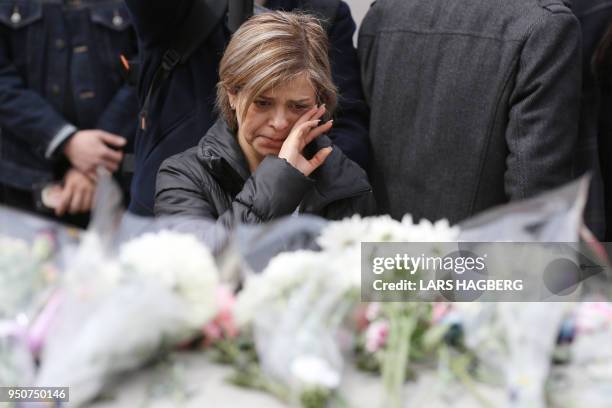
304 131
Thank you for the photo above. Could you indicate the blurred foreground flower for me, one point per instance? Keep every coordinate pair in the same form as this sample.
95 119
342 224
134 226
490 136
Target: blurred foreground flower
158 294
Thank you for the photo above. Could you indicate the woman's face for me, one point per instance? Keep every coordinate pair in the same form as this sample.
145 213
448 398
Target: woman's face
270 118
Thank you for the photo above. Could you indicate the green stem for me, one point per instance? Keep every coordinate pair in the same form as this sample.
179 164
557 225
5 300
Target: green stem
397 359
458 368
230 349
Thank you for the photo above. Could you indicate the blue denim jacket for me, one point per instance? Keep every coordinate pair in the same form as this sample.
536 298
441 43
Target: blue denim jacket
60 71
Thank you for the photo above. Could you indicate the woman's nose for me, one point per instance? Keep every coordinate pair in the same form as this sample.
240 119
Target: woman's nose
280 119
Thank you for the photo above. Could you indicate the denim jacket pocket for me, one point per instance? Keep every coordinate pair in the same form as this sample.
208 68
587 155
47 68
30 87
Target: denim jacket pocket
18 14
21 25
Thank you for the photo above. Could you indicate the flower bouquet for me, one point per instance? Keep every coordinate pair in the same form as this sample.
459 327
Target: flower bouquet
116 315
27 274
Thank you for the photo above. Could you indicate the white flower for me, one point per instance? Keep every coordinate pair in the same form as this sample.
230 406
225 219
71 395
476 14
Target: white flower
350 232
176 261
339 235
385 229
311 370
284 272
345 268
425 231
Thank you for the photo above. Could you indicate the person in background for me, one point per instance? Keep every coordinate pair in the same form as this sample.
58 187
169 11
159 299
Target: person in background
474 103
595 154
267 156
65 107
178 110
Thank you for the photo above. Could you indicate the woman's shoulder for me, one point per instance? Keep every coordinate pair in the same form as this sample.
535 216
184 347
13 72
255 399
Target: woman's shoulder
183 168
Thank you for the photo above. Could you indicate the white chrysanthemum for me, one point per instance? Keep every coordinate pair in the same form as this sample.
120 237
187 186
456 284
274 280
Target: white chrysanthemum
177 261
384 229
339 235
350 232
425 231
346 268
284 272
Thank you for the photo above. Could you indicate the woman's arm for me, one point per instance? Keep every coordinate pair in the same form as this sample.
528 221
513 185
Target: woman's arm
184 187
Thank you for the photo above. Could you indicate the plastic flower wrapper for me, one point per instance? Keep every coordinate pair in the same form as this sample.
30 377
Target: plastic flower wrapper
517 339
584 376
302 337
531 334
117 312
28 273
159 293
25 271
300 306
16 362
283 274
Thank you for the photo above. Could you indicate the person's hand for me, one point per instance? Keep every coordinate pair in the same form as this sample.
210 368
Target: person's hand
77 194
87 149
305 130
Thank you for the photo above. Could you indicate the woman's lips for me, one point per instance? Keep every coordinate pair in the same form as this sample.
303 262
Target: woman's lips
272 141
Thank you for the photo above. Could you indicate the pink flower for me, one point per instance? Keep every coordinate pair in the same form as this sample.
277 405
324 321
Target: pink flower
592 316
439 311
40 328
373 311
376 335
223 325
360 318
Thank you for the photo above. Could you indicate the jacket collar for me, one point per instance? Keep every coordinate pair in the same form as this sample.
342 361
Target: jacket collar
222 156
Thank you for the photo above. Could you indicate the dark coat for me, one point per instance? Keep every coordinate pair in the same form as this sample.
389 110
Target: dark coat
184 109
213 180
60 70
474 102
595 17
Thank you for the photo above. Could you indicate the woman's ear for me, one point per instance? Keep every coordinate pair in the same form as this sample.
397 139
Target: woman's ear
232 100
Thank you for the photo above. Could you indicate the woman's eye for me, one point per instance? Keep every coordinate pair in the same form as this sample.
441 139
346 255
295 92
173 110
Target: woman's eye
262 103
300 107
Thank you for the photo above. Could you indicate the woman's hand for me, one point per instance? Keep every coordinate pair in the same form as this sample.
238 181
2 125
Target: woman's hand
77 193
305 130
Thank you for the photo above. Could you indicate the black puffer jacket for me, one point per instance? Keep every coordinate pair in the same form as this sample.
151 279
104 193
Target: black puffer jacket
213 180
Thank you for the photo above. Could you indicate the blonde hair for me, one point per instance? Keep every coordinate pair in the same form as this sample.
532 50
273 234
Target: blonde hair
271 49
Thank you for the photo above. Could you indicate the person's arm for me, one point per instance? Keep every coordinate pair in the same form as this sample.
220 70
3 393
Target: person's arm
77 194
157 21
275 189
545 106
25 114
350 132
120 115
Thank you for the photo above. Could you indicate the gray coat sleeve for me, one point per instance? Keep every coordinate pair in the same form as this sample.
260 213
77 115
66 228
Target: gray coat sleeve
543 120
273 190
